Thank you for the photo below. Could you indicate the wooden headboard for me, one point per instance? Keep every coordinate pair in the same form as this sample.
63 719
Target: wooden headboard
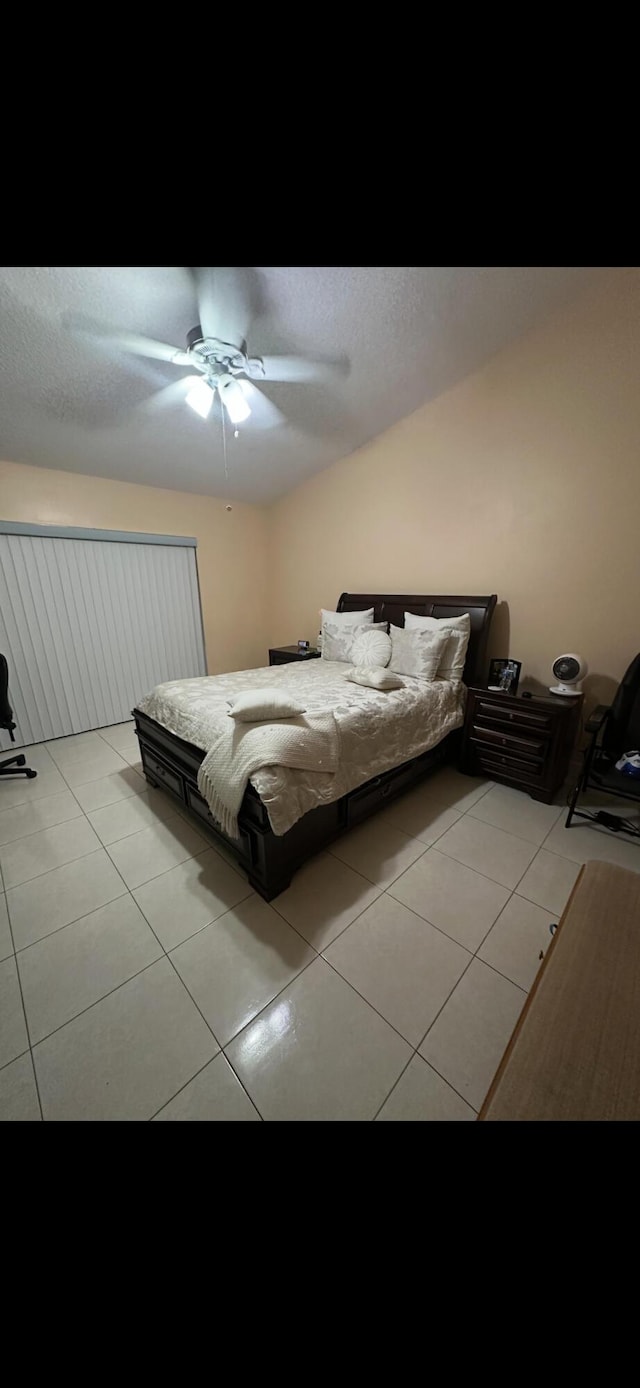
392 607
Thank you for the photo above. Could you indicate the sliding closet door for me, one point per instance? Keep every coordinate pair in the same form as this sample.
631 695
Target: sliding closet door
90 625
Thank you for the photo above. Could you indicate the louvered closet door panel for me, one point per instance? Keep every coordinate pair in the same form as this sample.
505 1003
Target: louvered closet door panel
89 626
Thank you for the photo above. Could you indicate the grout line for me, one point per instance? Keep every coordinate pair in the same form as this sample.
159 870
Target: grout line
369 1003
512 832
199 1072
436 1072
27 1050
495 881
85 916
69 1021
26 1019
170 961
31 833
37 875
394 1085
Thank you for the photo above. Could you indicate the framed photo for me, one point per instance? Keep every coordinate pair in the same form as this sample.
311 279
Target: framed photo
504 675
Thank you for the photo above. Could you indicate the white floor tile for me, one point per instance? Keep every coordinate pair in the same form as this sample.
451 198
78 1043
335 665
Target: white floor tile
377 851
146 854
324 897
17 790
452 897
214 1096
115 1031
22 820
421 815
517 813
318 1052
45 903
6 943
50 848
122 738
127 747
583 842
66 972
400 964
235 966
460 792
68 749
18 1093
421 1096
503 857
13 1030
126 1056
514 944
190 896
38 756
549 881
110 789
114 822
94 768
467 1041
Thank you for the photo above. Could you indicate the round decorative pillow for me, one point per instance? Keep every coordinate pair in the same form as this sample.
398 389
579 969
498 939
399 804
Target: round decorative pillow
371 648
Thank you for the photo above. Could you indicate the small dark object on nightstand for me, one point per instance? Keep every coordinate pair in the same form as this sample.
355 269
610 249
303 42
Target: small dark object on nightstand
526 694
283 655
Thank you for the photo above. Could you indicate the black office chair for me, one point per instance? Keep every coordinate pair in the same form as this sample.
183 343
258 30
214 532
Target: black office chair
13 766
615 729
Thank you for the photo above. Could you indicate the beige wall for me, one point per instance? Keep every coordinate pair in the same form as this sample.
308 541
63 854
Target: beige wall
232 551
524 480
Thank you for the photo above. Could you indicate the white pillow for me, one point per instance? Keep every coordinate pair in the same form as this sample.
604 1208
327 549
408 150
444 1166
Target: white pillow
376 678
354 619
416 652
263 706
458 630
338 638
371 647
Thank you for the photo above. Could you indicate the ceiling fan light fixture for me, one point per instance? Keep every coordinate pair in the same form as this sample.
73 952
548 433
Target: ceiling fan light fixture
233 399
200 398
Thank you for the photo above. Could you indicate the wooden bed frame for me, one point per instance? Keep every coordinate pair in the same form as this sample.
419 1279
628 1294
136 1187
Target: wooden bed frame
271 860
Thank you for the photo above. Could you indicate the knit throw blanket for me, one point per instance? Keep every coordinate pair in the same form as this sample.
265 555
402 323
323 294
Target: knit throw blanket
310 742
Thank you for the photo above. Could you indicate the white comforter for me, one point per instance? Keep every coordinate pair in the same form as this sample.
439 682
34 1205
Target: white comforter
378 730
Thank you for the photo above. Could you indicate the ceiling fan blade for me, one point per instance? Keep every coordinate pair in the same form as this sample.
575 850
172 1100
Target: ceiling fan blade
301 369
264 414
161 400
223 302
127 342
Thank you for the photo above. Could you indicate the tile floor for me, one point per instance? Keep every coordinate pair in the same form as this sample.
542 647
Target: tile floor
141 977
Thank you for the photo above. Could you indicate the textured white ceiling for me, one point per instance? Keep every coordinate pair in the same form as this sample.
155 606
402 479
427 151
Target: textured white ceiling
409 332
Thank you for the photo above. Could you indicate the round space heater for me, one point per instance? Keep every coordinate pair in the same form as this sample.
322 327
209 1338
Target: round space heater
569 670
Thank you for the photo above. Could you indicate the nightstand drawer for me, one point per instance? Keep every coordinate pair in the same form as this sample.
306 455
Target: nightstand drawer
522 717
494 762
530 747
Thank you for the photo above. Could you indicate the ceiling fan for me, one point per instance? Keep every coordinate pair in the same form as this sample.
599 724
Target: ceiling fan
216 349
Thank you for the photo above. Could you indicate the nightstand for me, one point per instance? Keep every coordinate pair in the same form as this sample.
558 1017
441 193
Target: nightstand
282 655
525 743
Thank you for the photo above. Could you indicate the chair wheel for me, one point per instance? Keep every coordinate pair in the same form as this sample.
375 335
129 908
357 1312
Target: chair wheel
30 773
20 761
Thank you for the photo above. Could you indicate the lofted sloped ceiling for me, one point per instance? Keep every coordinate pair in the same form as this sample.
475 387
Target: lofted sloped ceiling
407 333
